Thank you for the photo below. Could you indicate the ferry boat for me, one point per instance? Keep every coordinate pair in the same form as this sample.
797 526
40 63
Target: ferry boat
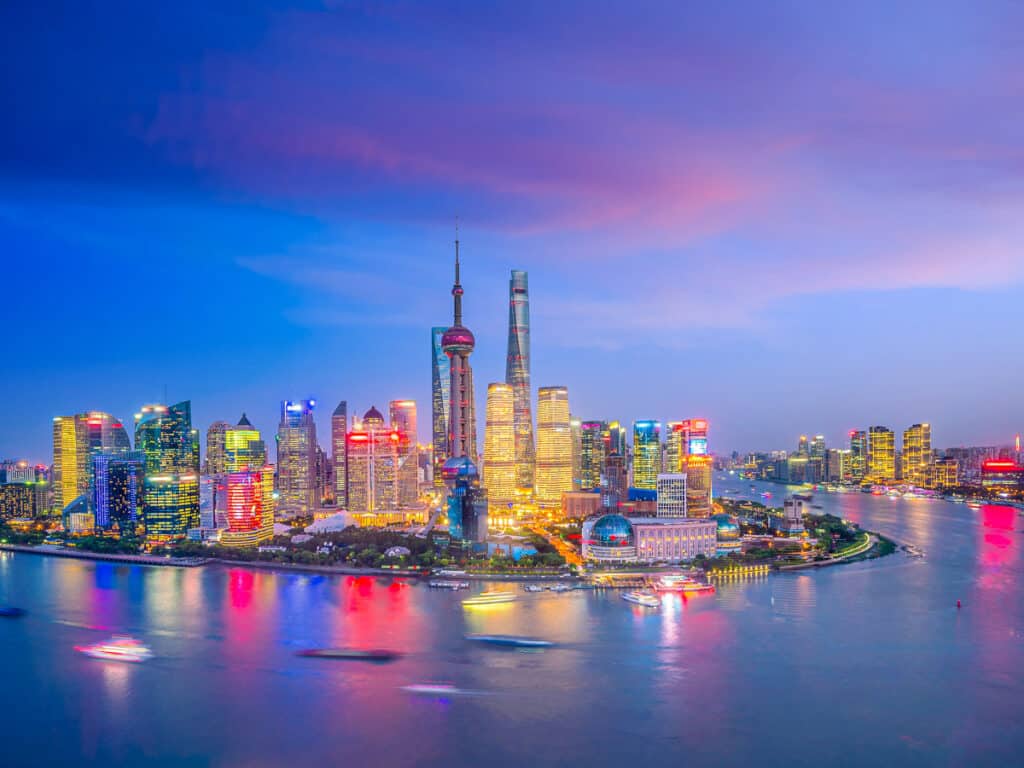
489 598
681 583
452 585
117 648
434 689
10 612
353 654
645 599
533 588
560 588
512 641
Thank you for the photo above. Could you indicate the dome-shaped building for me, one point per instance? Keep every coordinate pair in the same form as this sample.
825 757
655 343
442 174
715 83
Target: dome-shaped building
608 538
373 419
728 532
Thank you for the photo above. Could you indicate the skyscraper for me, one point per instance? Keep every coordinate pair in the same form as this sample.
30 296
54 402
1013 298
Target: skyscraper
917 454
440 379
373 464
576 437
296 457
216 434
339 453
118 483
69 460
554 447
458 343
517 374
672 495
696 465
500 476
249 521
675 446
593 449
646 454
403 424
881 455
858 455
169 449
244 449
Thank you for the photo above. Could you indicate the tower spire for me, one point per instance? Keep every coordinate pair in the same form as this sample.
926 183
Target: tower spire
457 287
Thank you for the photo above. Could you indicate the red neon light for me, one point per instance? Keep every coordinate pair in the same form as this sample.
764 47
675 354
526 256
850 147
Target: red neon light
359 438
1000 464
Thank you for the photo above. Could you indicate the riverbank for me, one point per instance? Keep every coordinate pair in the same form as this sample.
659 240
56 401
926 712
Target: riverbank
79 554
850 556
346 570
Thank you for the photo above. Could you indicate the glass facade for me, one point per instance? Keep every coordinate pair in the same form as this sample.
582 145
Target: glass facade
646 454
881 455
171 506
440 379
296 457
339 453
500 477
554 447
517 375
118 490
917 455
593 449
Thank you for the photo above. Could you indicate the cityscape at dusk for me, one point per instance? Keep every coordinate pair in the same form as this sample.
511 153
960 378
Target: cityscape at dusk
432 384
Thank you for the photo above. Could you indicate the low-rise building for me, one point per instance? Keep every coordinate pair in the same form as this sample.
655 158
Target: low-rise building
615 538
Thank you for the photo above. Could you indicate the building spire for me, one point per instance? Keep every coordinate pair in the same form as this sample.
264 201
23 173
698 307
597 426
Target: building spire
457 287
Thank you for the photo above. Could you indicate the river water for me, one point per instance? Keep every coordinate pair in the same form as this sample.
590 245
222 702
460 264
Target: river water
857 665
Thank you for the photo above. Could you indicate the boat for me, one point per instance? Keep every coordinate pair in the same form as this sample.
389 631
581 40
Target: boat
681 583
489 598
10 612
645 599
353 654
560 588
452 585
512 641
533 588
117 648
434 689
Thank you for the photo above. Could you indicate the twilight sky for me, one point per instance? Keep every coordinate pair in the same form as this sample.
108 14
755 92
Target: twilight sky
786 217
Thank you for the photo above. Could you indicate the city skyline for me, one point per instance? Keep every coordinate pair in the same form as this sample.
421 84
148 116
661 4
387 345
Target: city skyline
766 232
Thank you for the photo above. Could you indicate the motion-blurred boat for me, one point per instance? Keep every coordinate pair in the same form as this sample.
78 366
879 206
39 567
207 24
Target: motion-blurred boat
353 654
512 641
642 598
117 648
489 598
533 588
10 612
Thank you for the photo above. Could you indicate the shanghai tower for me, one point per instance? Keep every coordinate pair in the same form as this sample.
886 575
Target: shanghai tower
517 374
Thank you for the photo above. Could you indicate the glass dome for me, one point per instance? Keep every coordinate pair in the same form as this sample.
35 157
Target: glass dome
727 527
612 531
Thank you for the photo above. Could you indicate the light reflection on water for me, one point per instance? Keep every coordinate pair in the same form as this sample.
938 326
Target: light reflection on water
717 679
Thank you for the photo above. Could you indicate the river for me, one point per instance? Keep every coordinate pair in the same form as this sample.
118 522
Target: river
856 665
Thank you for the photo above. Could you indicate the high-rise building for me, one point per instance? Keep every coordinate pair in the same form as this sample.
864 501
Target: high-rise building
440 378
118 483
801 446
244 449
917 455
944 473
675 446
858 455
576 435
697 466
554 447
614 480
169 449
517 374
671 495
817 448
296 458
249 522
838 465
374 461
467 502
593 449
881 455
69 460
458 343
500 477
646 454
216 436
616 438
339 453
403 422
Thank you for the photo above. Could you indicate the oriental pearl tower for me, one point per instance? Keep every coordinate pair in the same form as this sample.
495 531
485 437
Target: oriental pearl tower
458 343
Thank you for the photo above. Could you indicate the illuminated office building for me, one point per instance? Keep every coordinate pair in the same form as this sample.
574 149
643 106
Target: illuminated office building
216 435
817 448
16 501
375 462
296 458
837 463
440 379
917 455
881 455
458 343
244 449
517 374
500 476
675 446
594 441
697 466
467 502
249 523
944 473
616 442
169 450
554 447
119 480
70 456
802 445
858 455
576 435
339 453
671 495
403 422
614 480
646 454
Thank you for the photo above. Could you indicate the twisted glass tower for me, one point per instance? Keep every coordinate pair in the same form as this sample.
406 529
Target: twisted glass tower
517 374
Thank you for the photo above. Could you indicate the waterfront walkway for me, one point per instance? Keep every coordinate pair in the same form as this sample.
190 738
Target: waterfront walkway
81 554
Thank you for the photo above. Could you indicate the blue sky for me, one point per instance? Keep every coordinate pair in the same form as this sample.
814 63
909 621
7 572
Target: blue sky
785 218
